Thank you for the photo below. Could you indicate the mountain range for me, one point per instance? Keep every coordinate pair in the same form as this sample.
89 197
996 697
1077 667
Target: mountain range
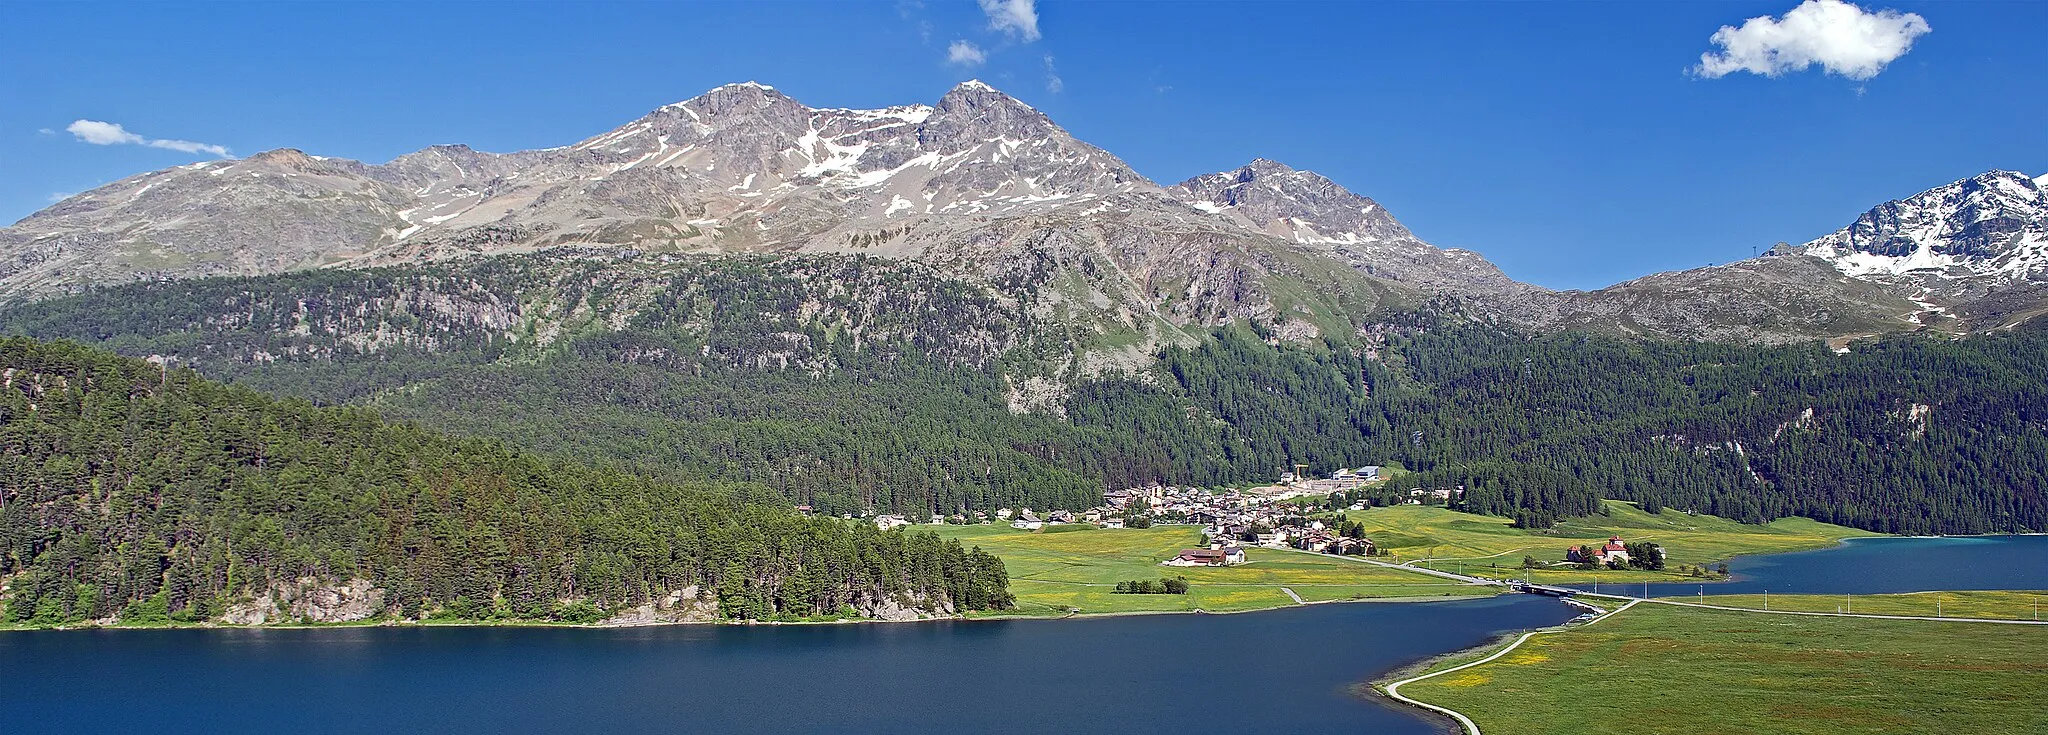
984 188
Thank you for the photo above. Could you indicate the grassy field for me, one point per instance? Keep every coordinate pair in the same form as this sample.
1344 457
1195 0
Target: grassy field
1666 669
1475 543
1992 604
1078 567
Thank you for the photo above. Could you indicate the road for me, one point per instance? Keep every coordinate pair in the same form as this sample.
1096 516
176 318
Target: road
1419 570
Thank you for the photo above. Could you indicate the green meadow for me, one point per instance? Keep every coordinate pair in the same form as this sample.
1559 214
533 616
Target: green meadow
1688 671
1063 568
1487 546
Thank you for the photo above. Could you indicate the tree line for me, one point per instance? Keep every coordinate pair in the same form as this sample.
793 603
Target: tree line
128 490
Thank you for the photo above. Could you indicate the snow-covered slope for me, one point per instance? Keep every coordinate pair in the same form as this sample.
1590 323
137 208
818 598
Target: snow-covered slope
1970 235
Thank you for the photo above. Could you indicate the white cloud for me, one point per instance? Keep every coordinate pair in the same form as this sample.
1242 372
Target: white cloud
1842 38
1053 82
59 196
965 53
106 133
102 133
1016 17
45 131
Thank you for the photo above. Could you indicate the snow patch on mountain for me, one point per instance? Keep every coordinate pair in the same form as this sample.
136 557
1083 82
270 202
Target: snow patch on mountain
1991 226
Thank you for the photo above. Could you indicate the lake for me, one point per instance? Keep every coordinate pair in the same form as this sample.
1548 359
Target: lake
1869 566
1286 670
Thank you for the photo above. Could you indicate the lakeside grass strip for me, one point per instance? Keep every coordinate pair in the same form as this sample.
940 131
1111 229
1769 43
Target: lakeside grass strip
1394 690
1676 668
2023 605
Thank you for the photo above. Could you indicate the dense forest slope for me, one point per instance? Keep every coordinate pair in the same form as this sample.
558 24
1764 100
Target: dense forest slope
141 493
868 385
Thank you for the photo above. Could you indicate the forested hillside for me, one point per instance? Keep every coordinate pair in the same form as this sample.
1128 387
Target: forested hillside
132 491
861 385
1907 434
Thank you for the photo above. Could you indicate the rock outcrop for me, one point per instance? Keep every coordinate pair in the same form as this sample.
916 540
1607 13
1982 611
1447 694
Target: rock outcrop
309 600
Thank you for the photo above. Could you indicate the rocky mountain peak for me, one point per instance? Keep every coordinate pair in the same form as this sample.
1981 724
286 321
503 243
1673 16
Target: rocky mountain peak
1305 204
973 110
1990 226
285 157
1263 167
738 100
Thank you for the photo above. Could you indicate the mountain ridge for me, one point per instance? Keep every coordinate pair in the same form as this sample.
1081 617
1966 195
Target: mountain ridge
983 185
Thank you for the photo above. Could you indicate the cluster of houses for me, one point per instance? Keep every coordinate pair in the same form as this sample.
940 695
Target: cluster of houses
1230 518
1258 516
1343 480
1022 518
1613 552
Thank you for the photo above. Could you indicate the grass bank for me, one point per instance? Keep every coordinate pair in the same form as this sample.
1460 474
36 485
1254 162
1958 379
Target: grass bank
1077 567
1666 669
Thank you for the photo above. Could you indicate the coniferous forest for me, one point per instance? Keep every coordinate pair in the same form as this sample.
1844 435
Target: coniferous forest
858 385
130 490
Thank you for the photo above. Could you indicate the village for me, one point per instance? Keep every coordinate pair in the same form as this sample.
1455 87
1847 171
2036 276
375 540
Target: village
1270 516
1288 514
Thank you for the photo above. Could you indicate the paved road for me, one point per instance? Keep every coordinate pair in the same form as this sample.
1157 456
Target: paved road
1297 598
1394 690
1419 570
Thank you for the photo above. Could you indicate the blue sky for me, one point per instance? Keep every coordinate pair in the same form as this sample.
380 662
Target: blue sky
1574 144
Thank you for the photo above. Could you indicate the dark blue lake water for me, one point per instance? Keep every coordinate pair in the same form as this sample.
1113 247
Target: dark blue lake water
1872 566
1281 671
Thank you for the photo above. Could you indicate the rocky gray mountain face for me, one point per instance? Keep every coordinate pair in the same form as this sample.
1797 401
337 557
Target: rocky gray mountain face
983 188
1971 249
979 186
1307 208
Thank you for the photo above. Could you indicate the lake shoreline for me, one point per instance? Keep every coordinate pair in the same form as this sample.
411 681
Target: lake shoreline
730 623
1727 580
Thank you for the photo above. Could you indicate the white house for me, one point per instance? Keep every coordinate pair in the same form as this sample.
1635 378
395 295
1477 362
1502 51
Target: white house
1207 557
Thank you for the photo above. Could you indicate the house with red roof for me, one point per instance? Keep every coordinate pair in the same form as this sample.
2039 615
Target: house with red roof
1615 551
